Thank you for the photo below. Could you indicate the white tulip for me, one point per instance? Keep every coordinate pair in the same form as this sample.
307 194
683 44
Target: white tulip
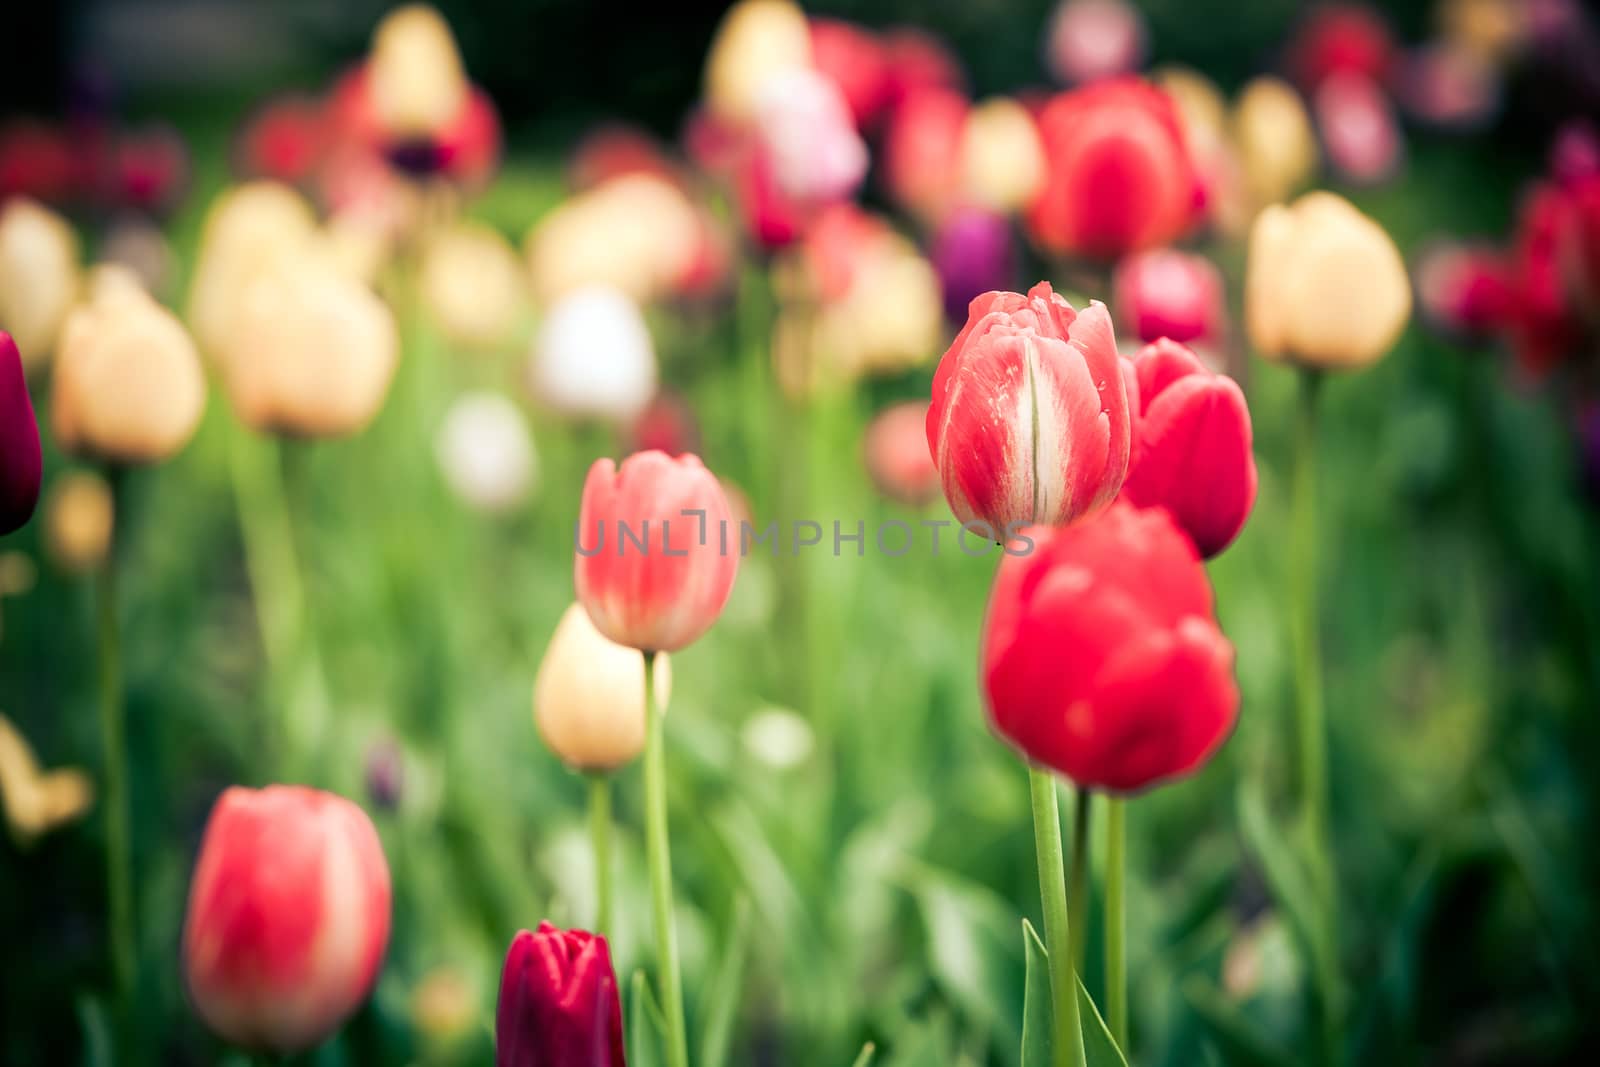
593 356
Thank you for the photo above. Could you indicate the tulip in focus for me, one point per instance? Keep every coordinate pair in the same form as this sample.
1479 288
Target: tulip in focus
79 516
1191 446
558 1005
20 458
1102 659
1118 172
1030 420
1277 147
128 384
756 40
1088 40
288 916
973 253
1167 293
898 461
662 590
38 277
486 453
593 357
1002 160
417 83
472 282
588 698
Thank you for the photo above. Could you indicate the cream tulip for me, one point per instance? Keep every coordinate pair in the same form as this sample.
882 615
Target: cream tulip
755 40
486 453
128 384
247 230
1276 144
588 698
313 352
38 277
417 81
593 356
472 283
79 517
1002 158
1325 286
637 233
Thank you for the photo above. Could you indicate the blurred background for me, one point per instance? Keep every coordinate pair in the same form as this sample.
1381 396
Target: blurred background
852 846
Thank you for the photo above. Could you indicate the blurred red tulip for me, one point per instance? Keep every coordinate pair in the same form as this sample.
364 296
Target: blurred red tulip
1191 446
1092 39
854 60
1450 86
667 424
1360 132
916 62
1341 39
1544 328
19 441
288 916
657 550
1102 659
1167 293
149 170
614 150
1030 421
1118 172
558 1004
772 218
285 140
921 165
898 460
469 146
37 161
1465 290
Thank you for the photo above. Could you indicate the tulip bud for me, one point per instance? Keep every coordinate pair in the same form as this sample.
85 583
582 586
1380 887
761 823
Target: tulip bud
1030 421
588 698
896 447
1167 293
416 79
1093 39
38 277
1325 285
128 384
79 515
472 282
1191 446
756 40
485 452
1277 148
558 1002
20 459
1101 654
1002 160
593 356
247 230
313 352
288 916
670 565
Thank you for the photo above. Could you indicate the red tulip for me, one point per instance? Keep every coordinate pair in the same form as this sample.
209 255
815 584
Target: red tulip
37 161
148 170
558 1002
1118 175
19 441
854 60
285 140
288 916
1341 39
1544 328
1465 290
1191 446
922 152
1359 129
1101 654
898 461
1167 293
657 550
469 147
917 62
1030 419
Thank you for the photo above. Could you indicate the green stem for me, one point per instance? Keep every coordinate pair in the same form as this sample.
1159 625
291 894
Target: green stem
1080 877
1311 725
600 832
1117 920
659 856
114 745
1066 1025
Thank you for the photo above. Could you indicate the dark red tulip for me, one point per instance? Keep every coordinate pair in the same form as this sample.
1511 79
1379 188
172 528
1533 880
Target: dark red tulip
1544 328
1101 654
1191 446
1465 290
1341 39
19 441
559 1005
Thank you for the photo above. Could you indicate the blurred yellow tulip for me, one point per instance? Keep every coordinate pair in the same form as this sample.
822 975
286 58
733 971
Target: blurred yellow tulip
637 233
1325 286
248 229
472 283
79 517
418 84
1002 158
755 40
588 698
1276 144
38 277
38 801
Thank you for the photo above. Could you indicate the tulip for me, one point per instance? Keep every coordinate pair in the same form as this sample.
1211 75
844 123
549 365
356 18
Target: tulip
288 916
444 1006
472 282
485 452
1167 293
1545 329
37 161
973 253
588 698
896 450
1118 175
854 60
142 248
593 357
1002 159
1088 40
916 62
38 277
1030 419
922 164
756 40
415 74
889 319
247 230
38 801
1341 39
148 170
667 424
285 140
20 458
615 150
128 383
1101 654
1191 446
804 125
1359 129
1325 285
660 597
1451 87
638 233
313 354
1465 290
468 146
1277 148
558 1004
79 516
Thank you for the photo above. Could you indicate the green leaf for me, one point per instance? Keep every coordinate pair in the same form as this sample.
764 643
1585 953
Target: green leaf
96 1032
646 1026
720 1005
1285 872
1099 1047
1241 1042
867 1052
1035 1000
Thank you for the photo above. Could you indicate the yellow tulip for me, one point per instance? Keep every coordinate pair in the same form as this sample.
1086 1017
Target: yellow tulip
1276 144
637 233
588 699
247 230
417 81
38 277
1002 158
79 517
472 282
756 39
